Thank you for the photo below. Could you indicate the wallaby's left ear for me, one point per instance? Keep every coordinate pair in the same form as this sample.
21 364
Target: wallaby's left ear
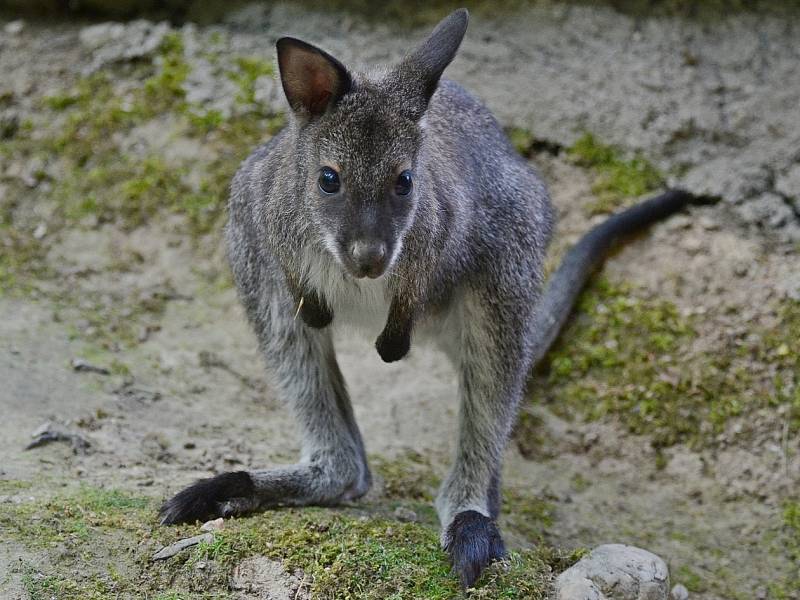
312 79
422 68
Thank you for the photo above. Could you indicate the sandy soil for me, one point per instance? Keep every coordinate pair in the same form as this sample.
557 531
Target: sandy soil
193 400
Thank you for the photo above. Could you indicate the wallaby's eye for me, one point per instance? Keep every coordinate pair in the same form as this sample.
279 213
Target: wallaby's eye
403 185
328 180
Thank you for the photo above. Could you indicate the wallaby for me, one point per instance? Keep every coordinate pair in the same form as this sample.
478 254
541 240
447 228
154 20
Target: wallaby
393 203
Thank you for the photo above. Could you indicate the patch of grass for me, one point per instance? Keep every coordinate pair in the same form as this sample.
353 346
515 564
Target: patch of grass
521 139
693 582
346 553
785 589
407 477
248 70
164 90
631 357
618 178
529 514
75 516
371 557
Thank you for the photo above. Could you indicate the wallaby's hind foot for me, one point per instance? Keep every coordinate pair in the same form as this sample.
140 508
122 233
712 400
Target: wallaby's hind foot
223 495
242 492
472 542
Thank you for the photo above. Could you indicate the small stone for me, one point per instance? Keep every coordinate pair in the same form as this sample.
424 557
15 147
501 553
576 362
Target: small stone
401 513
14 27
214 525
180 545
618 571
80 365
740 269
40 231
679 592
708 223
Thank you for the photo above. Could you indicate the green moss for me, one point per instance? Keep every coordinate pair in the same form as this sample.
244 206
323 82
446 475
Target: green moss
521 139
528 514
407 477
631 357
618 178
248 70
693 582
791 523
111 535
164 90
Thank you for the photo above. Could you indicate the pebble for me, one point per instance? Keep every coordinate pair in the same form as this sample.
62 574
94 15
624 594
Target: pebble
401 513
14 27
180 545
214 525
679 592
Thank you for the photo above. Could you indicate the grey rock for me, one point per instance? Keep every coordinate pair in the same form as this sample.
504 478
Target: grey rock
788 184
113 42
14 27
181 545
615 571
679 592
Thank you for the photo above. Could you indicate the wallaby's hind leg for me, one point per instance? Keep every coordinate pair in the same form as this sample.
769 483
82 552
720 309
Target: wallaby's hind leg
304 372
492 375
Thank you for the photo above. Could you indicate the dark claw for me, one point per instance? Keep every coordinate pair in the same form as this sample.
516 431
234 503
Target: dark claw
207 498
392 346
473 542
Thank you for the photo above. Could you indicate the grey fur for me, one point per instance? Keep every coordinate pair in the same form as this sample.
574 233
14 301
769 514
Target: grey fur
465 266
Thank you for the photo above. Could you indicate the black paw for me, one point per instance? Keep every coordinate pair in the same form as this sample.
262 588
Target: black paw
473 541
315 312
392 346
219 496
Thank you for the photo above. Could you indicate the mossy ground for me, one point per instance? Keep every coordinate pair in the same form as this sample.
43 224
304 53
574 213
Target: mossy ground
101 542
618 178
631 357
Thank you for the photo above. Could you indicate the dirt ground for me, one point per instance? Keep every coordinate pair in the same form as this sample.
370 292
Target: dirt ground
184 395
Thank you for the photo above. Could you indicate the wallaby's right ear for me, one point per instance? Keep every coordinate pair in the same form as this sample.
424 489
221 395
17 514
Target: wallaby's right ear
312 79
420 71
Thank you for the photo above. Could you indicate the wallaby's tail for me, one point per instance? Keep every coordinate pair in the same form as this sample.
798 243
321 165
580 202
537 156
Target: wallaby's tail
563 286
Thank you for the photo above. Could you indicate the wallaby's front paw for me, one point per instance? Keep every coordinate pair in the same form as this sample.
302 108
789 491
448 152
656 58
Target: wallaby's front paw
315 312
393 346
223 495
472 542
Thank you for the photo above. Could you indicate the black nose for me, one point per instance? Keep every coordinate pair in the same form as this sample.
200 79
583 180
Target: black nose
369 257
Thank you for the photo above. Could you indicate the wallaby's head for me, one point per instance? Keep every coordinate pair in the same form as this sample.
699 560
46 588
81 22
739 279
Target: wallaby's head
358 140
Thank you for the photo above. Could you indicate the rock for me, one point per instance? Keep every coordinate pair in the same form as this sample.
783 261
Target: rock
788 184
401 513
615 571
679 592
40 231
82 366
180 545
214 525
14 27
113 42
51 432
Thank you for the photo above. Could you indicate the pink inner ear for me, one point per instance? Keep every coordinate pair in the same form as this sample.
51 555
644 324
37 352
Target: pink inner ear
320 88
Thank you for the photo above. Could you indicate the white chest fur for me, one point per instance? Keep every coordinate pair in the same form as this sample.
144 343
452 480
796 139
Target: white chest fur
359 305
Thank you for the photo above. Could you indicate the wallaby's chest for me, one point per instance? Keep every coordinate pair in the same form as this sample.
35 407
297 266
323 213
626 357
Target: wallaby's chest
360 305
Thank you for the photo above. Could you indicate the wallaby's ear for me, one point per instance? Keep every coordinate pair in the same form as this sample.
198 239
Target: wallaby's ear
312 79
422 68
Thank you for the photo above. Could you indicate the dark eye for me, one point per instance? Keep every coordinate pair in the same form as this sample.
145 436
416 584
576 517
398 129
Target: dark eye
403 185
328 180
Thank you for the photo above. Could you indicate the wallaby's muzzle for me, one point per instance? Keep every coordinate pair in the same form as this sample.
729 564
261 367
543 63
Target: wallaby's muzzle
367 258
